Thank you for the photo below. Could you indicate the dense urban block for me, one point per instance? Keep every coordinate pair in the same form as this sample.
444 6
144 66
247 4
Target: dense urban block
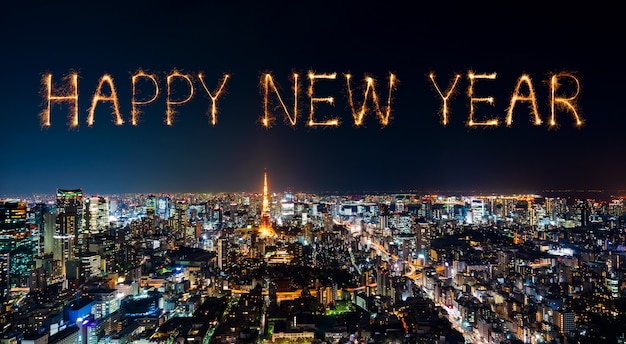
269 267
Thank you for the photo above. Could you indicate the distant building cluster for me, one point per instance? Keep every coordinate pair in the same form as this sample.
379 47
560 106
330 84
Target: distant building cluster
311 268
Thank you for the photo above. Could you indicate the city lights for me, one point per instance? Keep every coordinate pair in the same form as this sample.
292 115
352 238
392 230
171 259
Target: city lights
265 227
385 254
214 172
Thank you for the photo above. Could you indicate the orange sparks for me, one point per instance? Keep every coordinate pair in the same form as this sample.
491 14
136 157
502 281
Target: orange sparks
314 100
214 97
567 103
99 97
170 112
524 79
269 82
470 93
449 92
564 91
135 112
67 95
370 91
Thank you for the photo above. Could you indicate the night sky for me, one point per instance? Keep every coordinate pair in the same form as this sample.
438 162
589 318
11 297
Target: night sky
414 152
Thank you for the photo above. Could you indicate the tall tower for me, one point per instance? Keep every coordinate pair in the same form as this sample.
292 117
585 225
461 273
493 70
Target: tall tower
69 233
265 212
96 217
16 246
265 229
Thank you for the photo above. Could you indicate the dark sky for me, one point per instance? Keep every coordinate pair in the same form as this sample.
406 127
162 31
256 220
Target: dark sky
414 152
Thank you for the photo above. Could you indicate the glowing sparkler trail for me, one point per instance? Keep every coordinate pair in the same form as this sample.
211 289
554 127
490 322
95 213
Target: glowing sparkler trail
98 97
214 97
65 96
449 92
370 87
330 100
566 103
269 82
68 94
470 93
135 112
524 79
170 112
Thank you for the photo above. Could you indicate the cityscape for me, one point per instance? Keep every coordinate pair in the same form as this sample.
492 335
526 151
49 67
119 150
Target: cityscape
290 267
325 172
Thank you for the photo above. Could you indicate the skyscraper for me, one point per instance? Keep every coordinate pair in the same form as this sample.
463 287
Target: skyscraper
16 244
69 231
40 211
96 215
222 253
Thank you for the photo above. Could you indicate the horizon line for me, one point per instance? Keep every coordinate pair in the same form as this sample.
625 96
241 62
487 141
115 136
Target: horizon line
423 192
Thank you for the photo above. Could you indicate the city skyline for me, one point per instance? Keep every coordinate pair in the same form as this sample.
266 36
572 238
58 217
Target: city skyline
477 269
413 152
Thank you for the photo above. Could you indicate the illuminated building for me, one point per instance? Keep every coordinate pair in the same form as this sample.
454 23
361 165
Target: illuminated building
151 205
382 283
90 264
38 280
327 295
217 215
106 302
40 213
96 215
222 253
564 319
179 220
422 240
616 207
477 213
383 219
265 228
16 243
163 207
399 206
68 335
69 229
287 208
509 204
51 265
4 287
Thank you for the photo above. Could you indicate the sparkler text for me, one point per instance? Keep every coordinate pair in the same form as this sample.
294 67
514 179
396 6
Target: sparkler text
375 100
